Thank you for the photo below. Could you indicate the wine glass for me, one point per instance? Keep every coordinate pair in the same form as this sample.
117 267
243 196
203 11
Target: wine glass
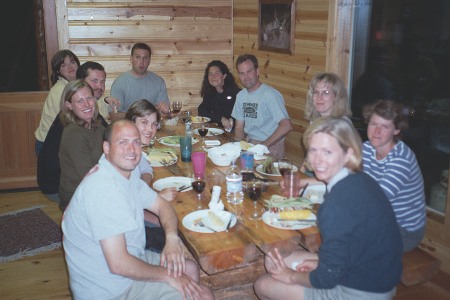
198 184
203 131
176 107
254 192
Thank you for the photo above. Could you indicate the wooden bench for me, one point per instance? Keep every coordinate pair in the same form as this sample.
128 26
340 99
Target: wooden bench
418 267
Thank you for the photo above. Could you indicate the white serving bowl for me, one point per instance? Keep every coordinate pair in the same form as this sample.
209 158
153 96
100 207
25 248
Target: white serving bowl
221 158
171 122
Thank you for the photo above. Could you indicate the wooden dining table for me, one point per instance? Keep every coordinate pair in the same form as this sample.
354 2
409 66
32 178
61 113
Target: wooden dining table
236 255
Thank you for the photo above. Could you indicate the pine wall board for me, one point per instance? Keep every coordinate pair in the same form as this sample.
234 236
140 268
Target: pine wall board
289 74
184 36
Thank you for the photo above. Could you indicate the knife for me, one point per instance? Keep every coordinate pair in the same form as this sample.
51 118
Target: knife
229 222
182 188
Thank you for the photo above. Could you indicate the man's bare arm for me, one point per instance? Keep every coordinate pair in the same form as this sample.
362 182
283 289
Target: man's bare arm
284 126
239 133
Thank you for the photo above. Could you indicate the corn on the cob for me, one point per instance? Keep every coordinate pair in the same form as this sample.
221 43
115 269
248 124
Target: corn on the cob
295 214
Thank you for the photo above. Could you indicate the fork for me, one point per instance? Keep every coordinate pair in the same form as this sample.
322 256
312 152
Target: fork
201 224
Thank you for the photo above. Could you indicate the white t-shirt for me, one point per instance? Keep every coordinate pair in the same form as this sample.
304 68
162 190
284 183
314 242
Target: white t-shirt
260 110
105 204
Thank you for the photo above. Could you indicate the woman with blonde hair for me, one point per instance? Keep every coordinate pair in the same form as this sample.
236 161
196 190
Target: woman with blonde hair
361 250
82 138
327 96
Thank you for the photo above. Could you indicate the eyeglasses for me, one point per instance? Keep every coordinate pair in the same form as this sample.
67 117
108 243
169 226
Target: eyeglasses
323 93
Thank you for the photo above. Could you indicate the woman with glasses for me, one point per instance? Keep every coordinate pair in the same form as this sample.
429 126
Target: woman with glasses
327 96
82 137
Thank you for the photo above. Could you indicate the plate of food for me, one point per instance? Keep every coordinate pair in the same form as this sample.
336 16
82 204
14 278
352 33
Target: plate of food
211 131
174 140
278 203
208 221
158 156
271 169
173 181
290 219
315 192
199 119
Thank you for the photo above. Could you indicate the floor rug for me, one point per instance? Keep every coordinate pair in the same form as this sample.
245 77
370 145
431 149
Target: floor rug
27 232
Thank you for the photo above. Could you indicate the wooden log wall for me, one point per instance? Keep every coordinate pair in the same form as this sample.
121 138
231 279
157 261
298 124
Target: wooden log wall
184 36
290 74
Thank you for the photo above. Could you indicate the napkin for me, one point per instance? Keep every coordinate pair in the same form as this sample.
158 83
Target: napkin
259 149
216 204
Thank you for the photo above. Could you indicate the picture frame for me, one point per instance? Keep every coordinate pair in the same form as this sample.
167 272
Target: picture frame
276 26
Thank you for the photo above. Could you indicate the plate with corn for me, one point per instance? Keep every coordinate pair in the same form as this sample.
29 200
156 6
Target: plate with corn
290 219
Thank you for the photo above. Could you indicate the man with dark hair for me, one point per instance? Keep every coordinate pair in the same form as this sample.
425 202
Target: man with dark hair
104 235
94 74
139 83
261 117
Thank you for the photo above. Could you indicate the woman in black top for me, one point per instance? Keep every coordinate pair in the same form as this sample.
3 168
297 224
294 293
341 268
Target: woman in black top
219 91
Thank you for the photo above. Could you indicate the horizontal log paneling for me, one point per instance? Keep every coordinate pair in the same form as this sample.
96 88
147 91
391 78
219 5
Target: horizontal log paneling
184 36
289 74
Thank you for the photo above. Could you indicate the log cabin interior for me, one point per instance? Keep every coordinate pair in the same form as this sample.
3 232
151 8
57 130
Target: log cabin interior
328 35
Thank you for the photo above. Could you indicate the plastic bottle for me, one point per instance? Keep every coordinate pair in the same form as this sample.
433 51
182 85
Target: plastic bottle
234 185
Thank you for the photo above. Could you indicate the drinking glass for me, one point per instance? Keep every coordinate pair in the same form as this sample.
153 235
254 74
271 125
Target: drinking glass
198 184
291 184
284 165
176 106
185 148
254 190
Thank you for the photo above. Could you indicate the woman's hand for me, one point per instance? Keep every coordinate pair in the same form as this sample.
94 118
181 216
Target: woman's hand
307 265
279 270
227 123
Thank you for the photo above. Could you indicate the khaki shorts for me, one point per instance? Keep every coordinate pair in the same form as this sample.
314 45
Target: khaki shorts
345 293
150 289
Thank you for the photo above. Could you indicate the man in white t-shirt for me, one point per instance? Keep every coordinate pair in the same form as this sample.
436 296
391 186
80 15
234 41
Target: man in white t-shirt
261 117
104 235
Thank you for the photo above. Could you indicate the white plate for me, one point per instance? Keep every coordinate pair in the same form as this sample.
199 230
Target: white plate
260 167
270 219
200 119
164 141
315 193
174 181
188 220
154 162
259 157
211 131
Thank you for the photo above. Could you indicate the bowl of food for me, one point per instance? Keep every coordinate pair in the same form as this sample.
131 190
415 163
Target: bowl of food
221 157
171 122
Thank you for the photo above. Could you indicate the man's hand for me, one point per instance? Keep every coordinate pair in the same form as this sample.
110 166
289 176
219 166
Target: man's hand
188 288
172 256
113 102
163 107
168 194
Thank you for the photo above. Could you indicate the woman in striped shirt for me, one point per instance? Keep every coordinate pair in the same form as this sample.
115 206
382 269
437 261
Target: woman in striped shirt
394 166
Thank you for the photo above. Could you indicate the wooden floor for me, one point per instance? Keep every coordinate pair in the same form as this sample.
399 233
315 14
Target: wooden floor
45 276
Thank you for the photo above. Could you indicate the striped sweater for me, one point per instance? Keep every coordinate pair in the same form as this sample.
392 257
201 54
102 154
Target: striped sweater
399 176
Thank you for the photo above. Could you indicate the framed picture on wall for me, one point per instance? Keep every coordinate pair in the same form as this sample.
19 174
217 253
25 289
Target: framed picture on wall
276 26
